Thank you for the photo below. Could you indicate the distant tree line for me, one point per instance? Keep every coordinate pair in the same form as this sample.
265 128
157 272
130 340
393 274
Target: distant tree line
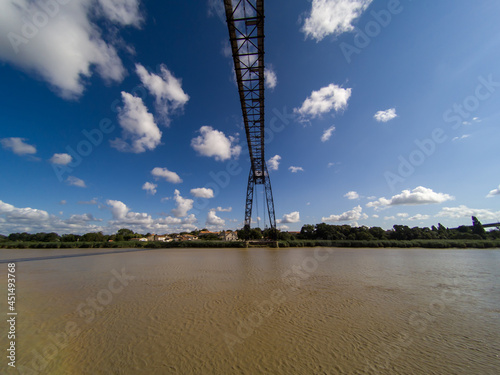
318 232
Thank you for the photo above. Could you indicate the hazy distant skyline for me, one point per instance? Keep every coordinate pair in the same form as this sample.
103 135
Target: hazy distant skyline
126 114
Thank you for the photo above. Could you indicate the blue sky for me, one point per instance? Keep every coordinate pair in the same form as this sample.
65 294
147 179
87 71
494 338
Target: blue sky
126 114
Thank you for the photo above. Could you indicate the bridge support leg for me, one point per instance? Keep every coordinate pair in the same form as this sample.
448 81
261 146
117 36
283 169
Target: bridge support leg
249 201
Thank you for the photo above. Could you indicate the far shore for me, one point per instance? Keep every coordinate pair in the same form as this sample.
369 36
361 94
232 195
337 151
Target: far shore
427 244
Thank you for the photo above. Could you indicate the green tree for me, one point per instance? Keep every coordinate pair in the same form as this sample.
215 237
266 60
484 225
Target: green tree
477 227
308 232
125 232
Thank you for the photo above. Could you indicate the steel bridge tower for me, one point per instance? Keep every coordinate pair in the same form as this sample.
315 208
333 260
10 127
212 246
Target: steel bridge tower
245 21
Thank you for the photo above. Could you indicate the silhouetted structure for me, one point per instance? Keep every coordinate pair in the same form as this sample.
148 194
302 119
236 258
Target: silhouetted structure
245 21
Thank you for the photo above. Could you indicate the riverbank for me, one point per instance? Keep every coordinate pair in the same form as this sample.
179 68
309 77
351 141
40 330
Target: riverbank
426 244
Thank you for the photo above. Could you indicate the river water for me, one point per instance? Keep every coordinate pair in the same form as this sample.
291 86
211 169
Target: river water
255 311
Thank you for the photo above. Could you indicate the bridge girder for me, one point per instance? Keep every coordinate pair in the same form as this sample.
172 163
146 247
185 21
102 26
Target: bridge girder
245 21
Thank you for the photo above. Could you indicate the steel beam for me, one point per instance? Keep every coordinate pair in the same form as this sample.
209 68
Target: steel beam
245 22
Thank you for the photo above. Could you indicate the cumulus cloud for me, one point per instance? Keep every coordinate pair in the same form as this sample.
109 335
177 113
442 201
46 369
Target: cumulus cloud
32 220
355 214
139 129
183 205
214 143
494 192
327 134
17 145
150 188
167 175
419 195
295 169
61 159
75 181
123 216
351 195
124 12
81 219
64 44
214 220
292 217
464 211
332 17
331 97
270 78
387 115
220 209
419 217
166 89
202 193
274 163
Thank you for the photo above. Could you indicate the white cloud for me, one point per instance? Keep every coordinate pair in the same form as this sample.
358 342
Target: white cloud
494 192
123 216
138 127
375 216
351 195
296 169
202 193
214 143
150 187
167 175
464 211
355 214
292 217
61 159
75 181
63 202
166 89
332 17
402 215
81 219
220 209
384 116
67 45
323 101
327 134
419 195
274 162
22 214
419 217
31 220
214 220
124 12
454 139
283 227
270 78
17 146
183 205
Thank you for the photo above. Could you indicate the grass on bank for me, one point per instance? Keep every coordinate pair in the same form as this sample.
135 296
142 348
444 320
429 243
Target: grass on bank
429 244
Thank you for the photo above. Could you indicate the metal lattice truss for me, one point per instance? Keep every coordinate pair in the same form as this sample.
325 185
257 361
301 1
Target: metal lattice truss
245 20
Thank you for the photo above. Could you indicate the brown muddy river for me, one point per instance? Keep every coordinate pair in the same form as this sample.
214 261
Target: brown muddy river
256 311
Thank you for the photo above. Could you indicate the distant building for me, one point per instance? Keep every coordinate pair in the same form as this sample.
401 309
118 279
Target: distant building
188 237
139 239
228 235
158 237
